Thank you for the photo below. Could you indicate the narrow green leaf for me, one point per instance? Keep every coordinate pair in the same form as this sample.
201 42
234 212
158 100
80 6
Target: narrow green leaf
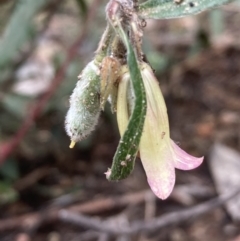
9 170
7 193
19 29
6 8
83 7
124 159
163 9
16 104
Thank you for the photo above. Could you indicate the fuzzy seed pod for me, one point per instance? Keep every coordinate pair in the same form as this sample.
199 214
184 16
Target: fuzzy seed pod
84 110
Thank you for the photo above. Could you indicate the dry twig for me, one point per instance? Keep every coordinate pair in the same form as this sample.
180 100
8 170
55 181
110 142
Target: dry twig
169 219
32 220
30 179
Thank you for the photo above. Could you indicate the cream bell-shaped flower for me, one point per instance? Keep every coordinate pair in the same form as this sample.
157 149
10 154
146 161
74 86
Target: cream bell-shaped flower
159 154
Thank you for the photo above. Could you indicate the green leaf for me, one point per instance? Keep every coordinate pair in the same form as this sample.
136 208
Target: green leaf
9 170
129 143
17 104
6 8
19 29
160 9
83 7
7 193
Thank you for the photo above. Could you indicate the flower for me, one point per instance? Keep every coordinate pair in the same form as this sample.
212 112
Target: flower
159 154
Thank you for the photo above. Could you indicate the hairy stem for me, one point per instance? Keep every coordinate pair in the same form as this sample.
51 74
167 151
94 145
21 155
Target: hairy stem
104 44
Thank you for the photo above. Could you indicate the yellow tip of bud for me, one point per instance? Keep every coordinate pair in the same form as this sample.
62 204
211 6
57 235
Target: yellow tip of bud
72 144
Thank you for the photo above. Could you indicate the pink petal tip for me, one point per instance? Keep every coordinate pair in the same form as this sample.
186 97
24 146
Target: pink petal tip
183 160
108 173
162 186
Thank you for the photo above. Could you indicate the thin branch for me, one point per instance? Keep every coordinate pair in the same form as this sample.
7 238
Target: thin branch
30 179
32 220
163 221
7 148
135 4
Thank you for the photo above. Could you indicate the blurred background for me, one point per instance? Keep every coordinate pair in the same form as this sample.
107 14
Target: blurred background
44 45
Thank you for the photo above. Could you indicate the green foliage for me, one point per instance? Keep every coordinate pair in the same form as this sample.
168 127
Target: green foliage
16 104
7 193
9 170
5 9
129 143
163 9
19 29
83 7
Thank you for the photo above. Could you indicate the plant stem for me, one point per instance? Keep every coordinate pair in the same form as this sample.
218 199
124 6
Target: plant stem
135 4
104 44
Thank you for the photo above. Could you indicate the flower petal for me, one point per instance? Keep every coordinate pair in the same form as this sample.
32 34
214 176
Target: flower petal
122 104
157 159
155 146
183 160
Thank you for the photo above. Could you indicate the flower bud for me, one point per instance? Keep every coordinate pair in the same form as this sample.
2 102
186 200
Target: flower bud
84 109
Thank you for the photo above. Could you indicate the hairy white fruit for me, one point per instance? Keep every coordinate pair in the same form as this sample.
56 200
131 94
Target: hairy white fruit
84 110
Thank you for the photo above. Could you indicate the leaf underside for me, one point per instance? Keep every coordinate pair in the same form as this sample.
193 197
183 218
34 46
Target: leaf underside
165 9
